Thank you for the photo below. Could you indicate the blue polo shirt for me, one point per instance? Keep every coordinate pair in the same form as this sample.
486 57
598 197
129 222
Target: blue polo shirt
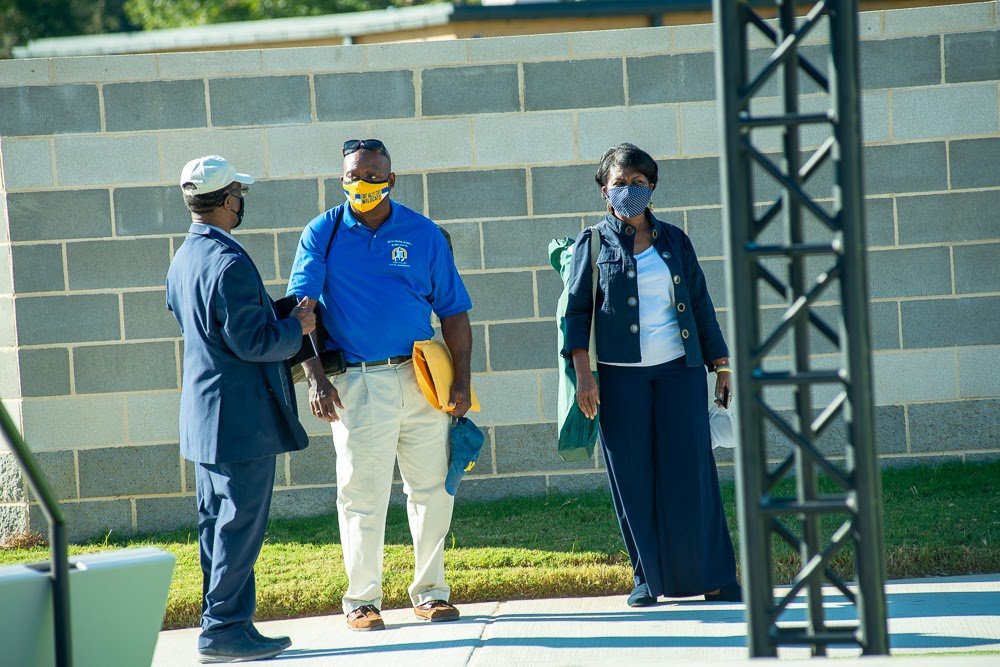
377 289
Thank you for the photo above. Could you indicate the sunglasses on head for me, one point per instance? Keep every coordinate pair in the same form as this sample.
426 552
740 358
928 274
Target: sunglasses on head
354 145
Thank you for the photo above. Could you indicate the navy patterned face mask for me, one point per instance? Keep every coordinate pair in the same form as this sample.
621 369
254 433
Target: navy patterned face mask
629 200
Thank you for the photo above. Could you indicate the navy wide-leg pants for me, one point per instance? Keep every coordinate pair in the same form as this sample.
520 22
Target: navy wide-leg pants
665 487
233 503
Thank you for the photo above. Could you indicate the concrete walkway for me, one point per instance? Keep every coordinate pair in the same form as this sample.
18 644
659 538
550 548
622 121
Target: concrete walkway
944 617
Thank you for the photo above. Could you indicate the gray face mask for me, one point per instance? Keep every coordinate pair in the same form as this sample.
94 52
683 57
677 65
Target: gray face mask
629 200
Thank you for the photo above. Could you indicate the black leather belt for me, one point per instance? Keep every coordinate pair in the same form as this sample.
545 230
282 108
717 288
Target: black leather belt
391 361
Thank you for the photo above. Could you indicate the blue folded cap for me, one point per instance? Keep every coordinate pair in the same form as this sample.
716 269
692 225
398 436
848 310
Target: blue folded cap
465 440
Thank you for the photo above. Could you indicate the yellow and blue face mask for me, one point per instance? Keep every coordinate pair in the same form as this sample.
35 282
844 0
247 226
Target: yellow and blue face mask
364 196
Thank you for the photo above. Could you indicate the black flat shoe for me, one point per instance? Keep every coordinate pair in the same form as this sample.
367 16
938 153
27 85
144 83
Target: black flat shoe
728 593
640 597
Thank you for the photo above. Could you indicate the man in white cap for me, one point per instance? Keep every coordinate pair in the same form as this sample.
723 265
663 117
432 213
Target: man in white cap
237 404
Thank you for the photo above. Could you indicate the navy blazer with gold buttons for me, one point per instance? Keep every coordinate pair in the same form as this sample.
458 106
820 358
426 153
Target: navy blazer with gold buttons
617 325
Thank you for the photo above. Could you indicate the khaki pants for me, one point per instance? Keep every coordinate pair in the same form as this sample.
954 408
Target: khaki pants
385 418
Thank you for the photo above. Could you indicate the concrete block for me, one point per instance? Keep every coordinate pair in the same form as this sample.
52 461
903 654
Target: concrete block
884 324
487 489
60 473
520 139
189 474
519 47
309 149
151 469
107 160
946 322
209 63
629 41
578 483
146 316
507 398
27 110
44 372
523 242
419 54
288 243
880 226
6 270
118 263
909 272
151 210
115 368
693 37
90 520
271 100
408 142
153 417
704 228
309 59
38 268
8 327
27 163
243 148
691 182
573 84
715 278
14 519
566 190
476 194
979 372
281 205
500 296
73 421
975 163
683 77
874 116
973 56
890 429
901 377
550 392
523 346
12 482
294 503
530 448
451 91
654 129
25 71
976 268
86 69
154 105
316 464
898 63
937 19
699 128
157 515
958 110
10 379
41 216
961 216
955 426
365 95
883 175
261 249
465 244
550 287
44 320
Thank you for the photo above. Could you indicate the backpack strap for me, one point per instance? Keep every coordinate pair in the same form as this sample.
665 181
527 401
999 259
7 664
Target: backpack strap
336 226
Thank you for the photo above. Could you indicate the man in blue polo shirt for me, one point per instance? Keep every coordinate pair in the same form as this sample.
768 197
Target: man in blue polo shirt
378 270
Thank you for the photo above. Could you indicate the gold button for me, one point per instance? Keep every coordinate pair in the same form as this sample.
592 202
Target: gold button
630 274
681 307
629 230
635 329
632 301
684 334
677 280
665 255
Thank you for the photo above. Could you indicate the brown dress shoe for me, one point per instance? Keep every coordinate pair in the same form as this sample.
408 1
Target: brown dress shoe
365 619
436 611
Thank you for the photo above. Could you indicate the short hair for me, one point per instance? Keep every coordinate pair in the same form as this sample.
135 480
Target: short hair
626 155
208 201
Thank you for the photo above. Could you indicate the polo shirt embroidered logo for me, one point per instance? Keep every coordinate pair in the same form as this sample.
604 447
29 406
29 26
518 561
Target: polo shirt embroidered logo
399 254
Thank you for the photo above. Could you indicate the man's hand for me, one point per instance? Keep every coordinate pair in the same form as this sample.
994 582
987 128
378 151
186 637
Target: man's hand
303 312
460 400
324 399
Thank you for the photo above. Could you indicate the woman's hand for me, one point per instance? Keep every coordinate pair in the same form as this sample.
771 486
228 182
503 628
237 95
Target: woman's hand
723 383
586 385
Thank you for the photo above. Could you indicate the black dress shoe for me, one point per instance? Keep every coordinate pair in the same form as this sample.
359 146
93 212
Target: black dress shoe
239 649
728 593
640 597
282 641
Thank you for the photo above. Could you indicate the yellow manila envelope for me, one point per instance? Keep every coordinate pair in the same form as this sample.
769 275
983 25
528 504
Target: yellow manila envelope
435 373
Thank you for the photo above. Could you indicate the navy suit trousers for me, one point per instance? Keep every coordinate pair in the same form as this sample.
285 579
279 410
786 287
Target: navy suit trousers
665 487
233 503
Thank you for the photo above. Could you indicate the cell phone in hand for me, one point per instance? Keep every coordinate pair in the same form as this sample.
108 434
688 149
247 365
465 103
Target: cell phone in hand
725 398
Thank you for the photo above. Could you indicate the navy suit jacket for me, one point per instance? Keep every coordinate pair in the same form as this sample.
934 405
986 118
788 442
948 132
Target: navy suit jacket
237 401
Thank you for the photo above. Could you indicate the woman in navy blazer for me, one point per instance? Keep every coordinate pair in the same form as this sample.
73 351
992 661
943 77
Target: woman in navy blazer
656 333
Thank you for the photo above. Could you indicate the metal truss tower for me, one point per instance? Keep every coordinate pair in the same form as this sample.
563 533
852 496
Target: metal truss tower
791 140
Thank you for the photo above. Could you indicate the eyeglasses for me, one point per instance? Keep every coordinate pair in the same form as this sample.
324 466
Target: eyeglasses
240 191
354 145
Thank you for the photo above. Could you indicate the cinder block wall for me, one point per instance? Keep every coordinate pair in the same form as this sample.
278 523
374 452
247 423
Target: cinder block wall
497 139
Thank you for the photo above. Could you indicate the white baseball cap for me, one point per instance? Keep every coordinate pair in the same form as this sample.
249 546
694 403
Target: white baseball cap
210 173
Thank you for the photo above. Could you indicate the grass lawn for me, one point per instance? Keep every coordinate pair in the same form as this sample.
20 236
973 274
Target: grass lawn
938 521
